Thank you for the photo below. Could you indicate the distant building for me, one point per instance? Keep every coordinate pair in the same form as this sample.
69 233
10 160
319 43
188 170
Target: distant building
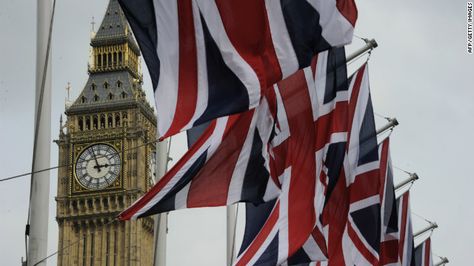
106 144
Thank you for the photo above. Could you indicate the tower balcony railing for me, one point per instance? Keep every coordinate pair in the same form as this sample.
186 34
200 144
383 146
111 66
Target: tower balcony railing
95 68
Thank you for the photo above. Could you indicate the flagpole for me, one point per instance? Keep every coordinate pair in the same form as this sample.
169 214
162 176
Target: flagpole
231 230
369 45
161 220
443 261
392 122
37 227
432 226
413 177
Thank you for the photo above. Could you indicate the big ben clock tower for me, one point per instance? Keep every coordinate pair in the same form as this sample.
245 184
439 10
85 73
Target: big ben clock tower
106 147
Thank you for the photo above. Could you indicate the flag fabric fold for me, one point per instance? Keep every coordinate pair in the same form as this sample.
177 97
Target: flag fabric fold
406 245
390 234
266 153
422 255
330 101
227 164
209 59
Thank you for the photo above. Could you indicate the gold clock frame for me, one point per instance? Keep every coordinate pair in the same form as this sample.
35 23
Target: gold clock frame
77 187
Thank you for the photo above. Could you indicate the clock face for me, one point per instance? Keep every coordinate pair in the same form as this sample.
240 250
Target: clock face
98 166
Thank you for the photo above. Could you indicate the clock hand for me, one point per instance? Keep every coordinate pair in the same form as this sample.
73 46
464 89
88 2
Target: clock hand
97 165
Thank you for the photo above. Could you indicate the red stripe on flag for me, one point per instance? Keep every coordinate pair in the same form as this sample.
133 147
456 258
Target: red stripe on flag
246 24
389 252
320 240
365 185
187 82
383 168
354 99
335 216
301 156
217 173
271 222
129 212
427 254
328 124
348 9
361 246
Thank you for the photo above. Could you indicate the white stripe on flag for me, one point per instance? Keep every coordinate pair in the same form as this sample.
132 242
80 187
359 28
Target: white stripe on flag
282 131
282 223
166 94
238 174
281 39
230 55
332 22
211 144
181 198
202 80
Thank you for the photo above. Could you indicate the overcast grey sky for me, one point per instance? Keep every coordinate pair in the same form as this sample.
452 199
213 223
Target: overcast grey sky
421 74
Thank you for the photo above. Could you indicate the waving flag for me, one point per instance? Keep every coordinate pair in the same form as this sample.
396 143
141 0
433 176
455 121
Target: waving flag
406 246
422 255
227 164
390 233
293 164
361 238
209 59
330 99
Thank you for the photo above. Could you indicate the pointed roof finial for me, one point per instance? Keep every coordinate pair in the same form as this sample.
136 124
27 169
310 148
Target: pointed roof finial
93 24
68 89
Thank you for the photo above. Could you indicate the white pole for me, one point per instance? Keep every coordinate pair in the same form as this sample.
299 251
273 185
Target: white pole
392 122
39 201
369 45
231 228
161 220
432 226
413 177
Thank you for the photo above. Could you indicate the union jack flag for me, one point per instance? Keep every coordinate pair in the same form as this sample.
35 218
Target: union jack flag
227 164
406 246
390 234
209 59
330 99
361 239
258 156
422 255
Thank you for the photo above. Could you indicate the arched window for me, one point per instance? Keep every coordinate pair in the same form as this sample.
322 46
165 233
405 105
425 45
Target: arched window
95 122
99 60
124 95
111 96
109 120
119 84
109 59
93 87
115 58
81 124
104 61
120 58
96 98
88 123
106 85
117 120
102 121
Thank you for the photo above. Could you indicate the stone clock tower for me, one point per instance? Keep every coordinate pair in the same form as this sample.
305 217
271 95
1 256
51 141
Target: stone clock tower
106 147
